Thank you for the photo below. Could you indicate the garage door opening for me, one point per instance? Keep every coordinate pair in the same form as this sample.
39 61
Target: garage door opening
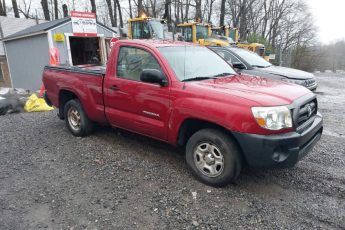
85 50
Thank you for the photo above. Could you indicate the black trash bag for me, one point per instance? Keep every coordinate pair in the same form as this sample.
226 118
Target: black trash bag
12 100
10 105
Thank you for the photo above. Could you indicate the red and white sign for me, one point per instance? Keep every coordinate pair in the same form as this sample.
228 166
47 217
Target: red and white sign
84 24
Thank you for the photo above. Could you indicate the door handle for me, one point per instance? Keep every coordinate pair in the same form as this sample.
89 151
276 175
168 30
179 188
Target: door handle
114 87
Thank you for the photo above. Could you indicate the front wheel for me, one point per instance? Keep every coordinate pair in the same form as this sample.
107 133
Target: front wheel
76 120
213 157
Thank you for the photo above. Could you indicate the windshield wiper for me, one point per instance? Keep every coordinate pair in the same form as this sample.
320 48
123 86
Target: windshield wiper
261 66
198 78
223 74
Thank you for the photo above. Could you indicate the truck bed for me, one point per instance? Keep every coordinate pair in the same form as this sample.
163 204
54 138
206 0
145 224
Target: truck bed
83 69
86 82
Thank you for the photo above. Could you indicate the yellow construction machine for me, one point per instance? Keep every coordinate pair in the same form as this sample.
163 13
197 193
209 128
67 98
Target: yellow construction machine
233 33
144 27
226 31
200 34
254 47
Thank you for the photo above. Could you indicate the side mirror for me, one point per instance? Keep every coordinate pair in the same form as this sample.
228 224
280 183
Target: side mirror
238 65
153 76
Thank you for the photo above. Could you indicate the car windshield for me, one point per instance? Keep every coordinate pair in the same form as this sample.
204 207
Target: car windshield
252 58
157 28
201 32
193 62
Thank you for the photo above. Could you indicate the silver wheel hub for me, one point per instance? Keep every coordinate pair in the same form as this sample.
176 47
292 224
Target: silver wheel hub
74 118
209 159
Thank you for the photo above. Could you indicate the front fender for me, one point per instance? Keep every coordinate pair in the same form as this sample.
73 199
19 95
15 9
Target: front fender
231 116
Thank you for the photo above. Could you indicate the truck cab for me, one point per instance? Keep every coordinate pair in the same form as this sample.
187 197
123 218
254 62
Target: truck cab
144 27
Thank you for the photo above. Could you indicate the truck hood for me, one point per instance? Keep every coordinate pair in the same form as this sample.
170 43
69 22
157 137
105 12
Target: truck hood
287 72
262 91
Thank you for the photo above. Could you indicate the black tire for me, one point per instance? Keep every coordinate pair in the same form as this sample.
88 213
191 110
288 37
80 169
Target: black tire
85 126
231 157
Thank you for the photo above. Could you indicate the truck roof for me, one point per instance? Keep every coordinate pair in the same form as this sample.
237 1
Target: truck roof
159 43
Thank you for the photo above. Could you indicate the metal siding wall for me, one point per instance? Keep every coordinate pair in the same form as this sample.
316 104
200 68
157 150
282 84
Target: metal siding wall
26 58
67 28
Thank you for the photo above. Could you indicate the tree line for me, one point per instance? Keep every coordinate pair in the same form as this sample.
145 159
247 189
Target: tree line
283 26
282 23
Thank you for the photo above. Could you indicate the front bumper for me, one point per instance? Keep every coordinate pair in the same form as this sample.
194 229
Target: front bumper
312 87
281 150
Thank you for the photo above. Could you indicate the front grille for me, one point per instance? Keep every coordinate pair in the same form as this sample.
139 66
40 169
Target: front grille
306 114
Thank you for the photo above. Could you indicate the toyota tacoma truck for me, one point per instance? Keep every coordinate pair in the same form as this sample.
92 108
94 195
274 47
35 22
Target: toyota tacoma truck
189 97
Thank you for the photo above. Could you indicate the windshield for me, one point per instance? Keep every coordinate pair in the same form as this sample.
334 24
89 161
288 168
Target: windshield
195 62
157 28
187 33
201 32
217 32
252 58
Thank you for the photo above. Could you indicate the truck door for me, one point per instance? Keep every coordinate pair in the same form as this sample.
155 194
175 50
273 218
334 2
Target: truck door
132 104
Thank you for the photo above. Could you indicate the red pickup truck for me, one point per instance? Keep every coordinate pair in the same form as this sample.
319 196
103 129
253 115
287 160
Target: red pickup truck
188 96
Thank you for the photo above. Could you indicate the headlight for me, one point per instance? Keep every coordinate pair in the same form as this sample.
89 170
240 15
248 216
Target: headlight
273 118
295 81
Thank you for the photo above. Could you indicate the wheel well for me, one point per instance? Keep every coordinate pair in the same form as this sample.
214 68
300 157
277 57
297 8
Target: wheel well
191 126
64 97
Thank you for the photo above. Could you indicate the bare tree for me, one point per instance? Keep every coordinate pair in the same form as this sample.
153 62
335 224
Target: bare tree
93 6
210 11
45 8
3 8
56 9
167 14
140 7
120 12
115 13
110 11
25 9
65 10
130 9
15 8
177 12
198 14
222 12
186 17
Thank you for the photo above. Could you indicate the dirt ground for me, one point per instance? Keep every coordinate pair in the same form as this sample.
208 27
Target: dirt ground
118 180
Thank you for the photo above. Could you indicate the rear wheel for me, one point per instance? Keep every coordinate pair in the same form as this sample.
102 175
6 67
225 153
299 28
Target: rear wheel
76 120
213 157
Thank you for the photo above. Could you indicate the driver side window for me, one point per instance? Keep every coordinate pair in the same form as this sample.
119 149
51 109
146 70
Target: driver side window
132 61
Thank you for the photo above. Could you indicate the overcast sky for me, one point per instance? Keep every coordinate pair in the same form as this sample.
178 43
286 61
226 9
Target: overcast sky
330 19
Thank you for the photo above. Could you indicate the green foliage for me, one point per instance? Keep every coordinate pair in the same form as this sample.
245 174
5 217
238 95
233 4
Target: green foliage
255 38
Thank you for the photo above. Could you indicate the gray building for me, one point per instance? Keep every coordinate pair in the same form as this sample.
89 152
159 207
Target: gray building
28 51
9 26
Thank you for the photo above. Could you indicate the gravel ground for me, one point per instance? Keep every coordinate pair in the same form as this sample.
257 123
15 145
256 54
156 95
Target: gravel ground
118 180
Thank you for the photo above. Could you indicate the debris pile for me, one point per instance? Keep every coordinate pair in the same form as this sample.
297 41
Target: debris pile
13 100
20 100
